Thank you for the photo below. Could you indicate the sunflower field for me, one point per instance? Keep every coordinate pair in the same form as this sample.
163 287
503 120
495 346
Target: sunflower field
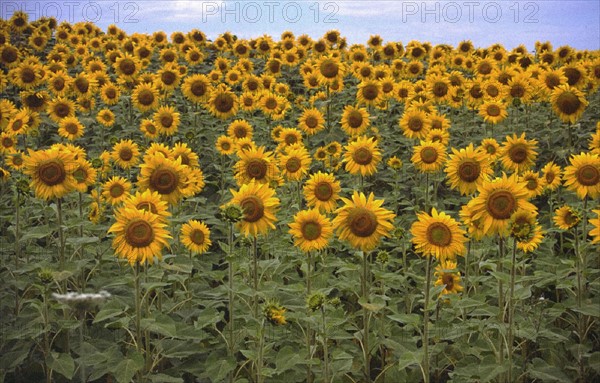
181 209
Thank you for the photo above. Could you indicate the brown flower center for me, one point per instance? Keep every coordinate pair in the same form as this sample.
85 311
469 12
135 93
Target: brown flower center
72 128
62 110
52 173
323 191
146 97
415 123
362 222
27 75
293 165
517 91
311 230
166 120
440 89
223 103
588 175
329 69
256 168
370 92
164 180
469 171
82 84
518 153
168 77
125 154
253 208
197 237
290 139
448 280
116 190
493 110
429 155
501 204
139 233
573 75
439 234
147 206
311 122
362 156
568 103
127 66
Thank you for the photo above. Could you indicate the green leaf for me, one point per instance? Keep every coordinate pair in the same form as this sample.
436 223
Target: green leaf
287 358
78 241
61 363
370 306
109 310
164 378
127 368
541 370
409 358
592 310
162 324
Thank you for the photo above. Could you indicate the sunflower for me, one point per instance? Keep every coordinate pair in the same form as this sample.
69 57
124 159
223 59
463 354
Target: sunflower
255 164
27 75
85 175
148 128
518 154
195 236
491 147
239 129
415 123
311 121
272 104
259 204
311 230
150 201
395 163
196 88
566 218
168 77
166 120
35 101
116 190
8 143
552 176
16 160
51 172
321 191
498 200
429 157
187 157
330 69
290 136
127 67
362 156
295 163
568 103
595 231
362 221
467 169
106 117
448 277
244 144
526 230
225 145
438 235
70 128
60 108
533 183
355 121
126 154
439 87
223 103
519 87
110 93
19 123
583 175
84 85
369 92
139 235
164 175
145 97
493 111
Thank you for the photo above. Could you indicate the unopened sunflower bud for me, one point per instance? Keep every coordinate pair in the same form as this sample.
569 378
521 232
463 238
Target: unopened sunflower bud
46 276
315 301
23 186
274 313
231 213
383 257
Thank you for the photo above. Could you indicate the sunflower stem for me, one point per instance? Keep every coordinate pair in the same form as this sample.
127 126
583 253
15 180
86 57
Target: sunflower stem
580 318
427 192
501 304
61 240
365 293
138 308
325 346
426 321
231 296
511 309
255 276
17 246
309 335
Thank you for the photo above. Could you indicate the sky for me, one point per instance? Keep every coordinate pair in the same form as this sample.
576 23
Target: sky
509 22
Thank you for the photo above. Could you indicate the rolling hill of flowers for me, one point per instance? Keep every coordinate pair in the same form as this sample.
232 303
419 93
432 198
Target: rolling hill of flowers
181 209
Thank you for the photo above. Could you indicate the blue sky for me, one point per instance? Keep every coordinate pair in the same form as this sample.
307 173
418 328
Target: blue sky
512 22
